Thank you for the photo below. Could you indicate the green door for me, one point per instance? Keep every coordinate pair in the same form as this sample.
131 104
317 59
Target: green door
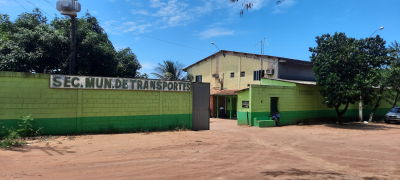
274 105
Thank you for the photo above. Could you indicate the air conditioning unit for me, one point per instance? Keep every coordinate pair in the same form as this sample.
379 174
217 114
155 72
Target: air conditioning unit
269 71
215 75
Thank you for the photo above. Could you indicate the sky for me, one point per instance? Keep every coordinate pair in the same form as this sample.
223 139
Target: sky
182 30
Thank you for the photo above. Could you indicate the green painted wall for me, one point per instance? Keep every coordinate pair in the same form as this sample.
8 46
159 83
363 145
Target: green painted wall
242 112
295 104
69 111
233 108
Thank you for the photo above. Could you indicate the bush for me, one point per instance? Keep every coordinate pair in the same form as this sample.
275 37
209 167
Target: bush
11 137
27 129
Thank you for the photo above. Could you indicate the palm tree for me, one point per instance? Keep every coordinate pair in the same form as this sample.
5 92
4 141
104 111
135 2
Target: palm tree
169 71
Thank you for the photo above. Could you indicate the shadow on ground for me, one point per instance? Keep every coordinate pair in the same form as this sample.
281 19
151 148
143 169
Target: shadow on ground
362 126
49 150
299 172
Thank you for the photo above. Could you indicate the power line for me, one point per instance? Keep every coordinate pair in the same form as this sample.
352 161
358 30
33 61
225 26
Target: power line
50 3
21 5
39 8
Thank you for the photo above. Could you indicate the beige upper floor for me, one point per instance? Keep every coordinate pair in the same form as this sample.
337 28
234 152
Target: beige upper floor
233 70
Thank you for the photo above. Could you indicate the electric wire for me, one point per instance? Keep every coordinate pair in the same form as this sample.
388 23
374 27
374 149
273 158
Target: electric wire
21 5
39 8
50 3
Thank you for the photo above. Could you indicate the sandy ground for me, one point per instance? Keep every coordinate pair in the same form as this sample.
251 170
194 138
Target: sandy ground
227 151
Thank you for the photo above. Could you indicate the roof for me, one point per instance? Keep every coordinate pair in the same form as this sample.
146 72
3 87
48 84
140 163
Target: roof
242 90
229 92
249 54
295 81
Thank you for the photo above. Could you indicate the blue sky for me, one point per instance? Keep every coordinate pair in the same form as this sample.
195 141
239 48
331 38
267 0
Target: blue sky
290 27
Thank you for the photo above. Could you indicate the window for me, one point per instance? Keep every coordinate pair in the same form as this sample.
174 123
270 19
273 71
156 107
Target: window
199 78
245 104
257 75
232 75
242 74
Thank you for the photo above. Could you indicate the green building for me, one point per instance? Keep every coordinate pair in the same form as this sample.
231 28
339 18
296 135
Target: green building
295 100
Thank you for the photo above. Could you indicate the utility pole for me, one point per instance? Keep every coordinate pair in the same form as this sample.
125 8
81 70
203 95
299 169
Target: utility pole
72 46
70 8
360 104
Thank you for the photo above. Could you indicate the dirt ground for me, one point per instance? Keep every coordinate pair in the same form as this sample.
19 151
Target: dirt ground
227 151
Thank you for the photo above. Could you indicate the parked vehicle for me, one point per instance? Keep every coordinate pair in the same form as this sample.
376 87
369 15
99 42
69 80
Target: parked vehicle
393 115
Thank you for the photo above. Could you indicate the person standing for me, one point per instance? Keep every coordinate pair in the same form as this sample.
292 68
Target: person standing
221 112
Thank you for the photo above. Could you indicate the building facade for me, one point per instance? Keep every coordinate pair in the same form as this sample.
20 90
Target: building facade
237 70
296 101
228 71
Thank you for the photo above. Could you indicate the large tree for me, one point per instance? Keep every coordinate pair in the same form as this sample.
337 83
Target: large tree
394 75
31 44
347 68
377 58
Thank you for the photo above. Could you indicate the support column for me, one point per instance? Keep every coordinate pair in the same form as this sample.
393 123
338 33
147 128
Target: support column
217 107
230 104
79 112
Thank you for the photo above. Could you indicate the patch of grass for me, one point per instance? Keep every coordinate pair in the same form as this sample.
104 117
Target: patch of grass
12 138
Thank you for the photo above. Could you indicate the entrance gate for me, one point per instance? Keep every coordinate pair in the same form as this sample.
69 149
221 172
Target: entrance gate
201 106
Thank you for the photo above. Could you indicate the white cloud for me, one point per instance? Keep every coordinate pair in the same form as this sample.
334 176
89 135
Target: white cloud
141 12
156 3
284 5
214 32
147 67
172 13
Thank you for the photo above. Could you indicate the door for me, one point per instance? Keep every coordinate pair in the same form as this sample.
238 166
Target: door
274 105
201 106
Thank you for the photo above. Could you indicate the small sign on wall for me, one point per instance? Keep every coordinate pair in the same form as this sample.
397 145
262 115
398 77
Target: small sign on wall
88 82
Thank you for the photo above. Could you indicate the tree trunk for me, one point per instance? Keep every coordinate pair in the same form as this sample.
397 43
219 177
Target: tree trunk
373 111
377 103
395 100
340 113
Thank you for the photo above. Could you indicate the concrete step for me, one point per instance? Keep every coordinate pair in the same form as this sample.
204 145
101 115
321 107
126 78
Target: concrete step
265 123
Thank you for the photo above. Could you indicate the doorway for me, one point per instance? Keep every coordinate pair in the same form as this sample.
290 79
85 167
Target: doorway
274 105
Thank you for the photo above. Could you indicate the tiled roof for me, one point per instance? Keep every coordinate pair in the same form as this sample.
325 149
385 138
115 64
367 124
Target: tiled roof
229 92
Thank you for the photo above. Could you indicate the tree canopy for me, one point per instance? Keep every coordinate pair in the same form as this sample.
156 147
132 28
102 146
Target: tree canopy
32 44
347 68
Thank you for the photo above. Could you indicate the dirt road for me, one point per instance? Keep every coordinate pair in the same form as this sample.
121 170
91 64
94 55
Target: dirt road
227 151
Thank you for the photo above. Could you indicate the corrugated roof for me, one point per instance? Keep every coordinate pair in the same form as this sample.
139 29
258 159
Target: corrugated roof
226 92
259 55
295 81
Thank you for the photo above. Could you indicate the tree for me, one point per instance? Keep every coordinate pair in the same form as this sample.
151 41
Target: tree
30 44
394 75
169 71
377 58
347 68
128 65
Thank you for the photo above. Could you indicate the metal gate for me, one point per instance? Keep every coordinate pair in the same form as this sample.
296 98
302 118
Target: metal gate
201 106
